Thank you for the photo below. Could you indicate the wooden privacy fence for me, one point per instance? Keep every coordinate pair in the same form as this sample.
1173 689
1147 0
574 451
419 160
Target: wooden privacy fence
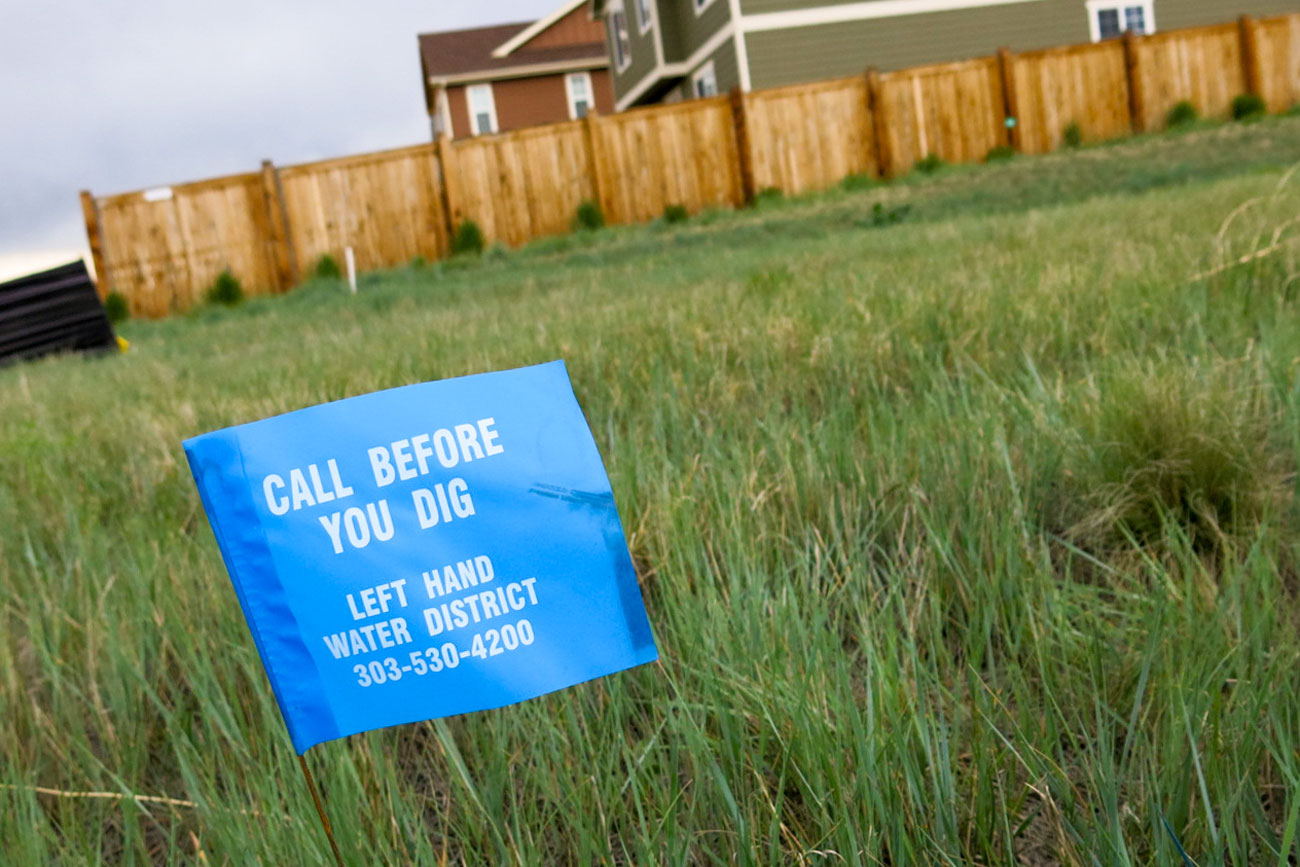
162 248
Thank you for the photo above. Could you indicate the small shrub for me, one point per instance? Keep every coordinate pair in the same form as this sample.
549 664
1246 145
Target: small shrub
1072 136
226 290
768 196
676 214
418 263
1248 106
1182 114
588 217
930 164
327 268
116 307
468 240
882 216
1178 445
855 183
999 153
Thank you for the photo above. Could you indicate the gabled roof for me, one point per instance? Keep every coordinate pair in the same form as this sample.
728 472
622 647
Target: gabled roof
463 55
508 47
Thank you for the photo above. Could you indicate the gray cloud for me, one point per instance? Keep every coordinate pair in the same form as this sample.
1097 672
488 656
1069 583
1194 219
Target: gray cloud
118 95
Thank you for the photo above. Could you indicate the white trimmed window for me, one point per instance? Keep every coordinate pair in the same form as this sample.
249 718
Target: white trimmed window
1109 19
701 5
618 39
577 85
482 109
705 82
645 18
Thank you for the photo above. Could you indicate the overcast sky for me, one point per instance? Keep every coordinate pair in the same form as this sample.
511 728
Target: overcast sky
116 95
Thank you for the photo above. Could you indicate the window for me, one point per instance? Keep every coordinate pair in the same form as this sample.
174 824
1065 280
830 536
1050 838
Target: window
644 17
618 38
578 86
482 109
704 82
1108 19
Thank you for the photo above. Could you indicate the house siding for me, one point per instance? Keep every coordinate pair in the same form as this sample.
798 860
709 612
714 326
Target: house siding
522 102
724 69
694 30
576 28
802 54
1173 14
642 48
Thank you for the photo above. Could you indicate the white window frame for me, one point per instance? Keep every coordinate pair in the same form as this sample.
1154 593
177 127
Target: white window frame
700 5
484 87
569 94
706 71
1097 6
623 46
645 15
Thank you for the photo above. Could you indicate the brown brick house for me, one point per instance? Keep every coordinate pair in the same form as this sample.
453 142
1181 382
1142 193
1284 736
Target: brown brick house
494 79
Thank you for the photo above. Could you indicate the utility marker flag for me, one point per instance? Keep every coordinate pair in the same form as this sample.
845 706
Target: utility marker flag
425 551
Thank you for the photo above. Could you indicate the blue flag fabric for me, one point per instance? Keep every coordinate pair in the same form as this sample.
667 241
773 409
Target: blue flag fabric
424 551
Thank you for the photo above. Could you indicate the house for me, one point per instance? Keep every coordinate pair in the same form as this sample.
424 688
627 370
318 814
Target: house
666 50
494 79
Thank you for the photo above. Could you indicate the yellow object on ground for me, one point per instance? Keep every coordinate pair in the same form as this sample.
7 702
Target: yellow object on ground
122 343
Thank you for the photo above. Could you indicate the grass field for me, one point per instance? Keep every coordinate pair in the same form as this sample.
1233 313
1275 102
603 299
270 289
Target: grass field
968 535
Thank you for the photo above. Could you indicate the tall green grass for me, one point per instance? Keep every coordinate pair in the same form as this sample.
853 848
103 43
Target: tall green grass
969 538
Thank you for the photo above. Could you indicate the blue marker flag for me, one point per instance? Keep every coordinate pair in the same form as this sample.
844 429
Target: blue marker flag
425 551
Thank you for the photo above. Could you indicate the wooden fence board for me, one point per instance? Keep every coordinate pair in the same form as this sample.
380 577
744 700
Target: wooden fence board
1279 61
951 110
387 206
682 154
1202 65
523 185
163 254
810 137
1085 85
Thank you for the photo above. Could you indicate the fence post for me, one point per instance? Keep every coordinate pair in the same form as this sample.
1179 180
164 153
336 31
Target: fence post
596 165
95 238
283 261
1133 71
1010 99
744 154
1249 30
879 124
447 168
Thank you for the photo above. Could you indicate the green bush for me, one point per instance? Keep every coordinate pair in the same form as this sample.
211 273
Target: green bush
226 290
327 268
860 181
588 217
1248 106
1182 114
929 164
999 153
1171 445
676 214
1072 135
417 263
116 307
468 240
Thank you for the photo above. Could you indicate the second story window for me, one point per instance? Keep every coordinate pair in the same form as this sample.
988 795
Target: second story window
578 86
1108 19
482 109
618 39
644 15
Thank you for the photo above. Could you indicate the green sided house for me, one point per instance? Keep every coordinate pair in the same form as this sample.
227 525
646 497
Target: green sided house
668 50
